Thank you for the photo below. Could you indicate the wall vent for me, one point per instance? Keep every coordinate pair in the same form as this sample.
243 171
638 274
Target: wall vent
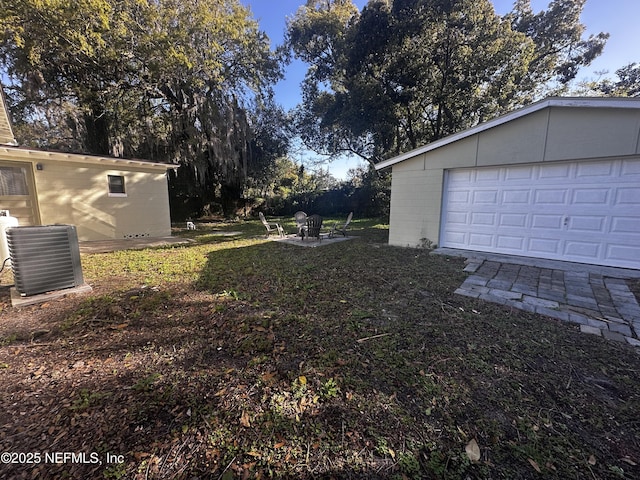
44 258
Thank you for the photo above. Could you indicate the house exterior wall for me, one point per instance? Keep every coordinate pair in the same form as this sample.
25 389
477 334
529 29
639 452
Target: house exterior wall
79 195
73 189
548 135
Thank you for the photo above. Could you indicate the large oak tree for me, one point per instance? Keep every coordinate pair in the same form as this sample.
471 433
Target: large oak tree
180 81
403 73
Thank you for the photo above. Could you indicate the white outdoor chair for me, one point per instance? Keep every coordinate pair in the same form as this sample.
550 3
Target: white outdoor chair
341 228
271 227
301 223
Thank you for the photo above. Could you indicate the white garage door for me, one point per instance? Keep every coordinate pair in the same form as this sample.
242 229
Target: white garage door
585 212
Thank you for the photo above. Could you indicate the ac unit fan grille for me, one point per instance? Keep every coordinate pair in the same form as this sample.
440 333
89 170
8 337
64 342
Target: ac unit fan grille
44 258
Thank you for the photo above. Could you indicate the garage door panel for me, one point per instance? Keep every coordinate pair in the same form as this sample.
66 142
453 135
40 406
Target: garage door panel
586 224
513 220
485 196
554 171
584 250
546 222
622 253
544 246
550 197
627 196
516 197
458 218
591 196
595 169
480 240
463 177
460 196
483 219
630 168
489 175
625 225
519 173
576 211
513 243
456 239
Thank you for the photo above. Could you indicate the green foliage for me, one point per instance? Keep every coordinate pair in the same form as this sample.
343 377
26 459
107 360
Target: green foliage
559 49
116 471
409 464
286 179
186 82
85 400
8 339
404 73
626 85
617 471
329 390
146 384
317 34
366 192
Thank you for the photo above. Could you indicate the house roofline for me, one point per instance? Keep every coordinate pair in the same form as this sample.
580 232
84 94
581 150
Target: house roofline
571 102
3 105
26 154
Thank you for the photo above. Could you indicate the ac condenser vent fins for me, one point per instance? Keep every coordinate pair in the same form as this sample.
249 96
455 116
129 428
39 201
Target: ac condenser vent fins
44 258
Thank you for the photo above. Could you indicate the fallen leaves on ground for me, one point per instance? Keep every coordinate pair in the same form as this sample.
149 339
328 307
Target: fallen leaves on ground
250 366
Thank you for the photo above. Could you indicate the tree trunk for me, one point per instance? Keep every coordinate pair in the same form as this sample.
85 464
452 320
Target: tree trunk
97 127
231 200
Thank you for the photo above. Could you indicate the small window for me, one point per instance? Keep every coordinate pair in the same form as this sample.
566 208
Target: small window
116 186
13 181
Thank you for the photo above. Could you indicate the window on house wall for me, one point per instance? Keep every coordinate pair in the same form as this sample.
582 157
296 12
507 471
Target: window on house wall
116 186
13 181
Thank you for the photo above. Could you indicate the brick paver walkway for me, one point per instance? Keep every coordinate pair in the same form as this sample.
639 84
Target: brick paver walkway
600 304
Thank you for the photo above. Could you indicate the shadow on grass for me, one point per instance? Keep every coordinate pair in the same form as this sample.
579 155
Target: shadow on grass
354 360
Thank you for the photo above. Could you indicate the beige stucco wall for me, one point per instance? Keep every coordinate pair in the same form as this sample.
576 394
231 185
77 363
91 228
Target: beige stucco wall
551 134
79 195
415 196
73 189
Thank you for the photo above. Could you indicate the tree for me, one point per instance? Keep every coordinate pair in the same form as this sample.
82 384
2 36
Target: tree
171 80
46 46
627 85
370 191
407 72
317 35
560 49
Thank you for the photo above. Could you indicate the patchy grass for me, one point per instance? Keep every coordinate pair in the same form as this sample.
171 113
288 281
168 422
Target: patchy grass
236 357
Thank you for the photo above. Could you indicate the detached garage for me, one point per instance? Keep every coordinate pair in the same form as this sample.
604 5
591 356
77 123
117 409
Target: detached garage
559 179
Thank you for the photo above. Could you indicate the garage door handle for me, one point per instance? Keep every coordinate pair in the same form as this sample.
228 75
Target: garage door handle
566 221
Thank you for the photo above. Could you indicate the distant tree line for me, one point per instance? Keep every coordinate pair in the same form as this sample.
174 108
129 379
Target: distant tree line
191 83
291 187
365 192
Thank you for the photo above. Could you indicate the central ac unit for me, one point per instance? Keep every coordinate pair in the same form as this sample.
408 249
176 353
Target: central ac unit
44 258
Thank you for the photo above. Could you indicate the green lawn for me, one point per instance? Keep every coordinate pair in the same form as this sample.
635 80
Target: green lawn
238 357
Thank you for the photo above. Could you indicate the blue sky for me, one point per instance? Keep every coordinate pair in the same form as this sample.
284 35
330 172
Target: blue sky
617 17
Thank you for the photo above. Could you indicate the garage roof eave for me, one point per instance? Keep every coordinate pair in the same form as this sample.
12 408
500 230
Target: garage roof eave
573 102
